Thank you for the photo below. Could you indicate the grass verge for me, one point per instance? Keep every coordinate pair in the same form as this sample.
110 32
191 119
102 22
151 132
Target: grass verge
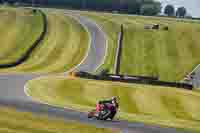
63 47
12 121
19 29
170 55
149 104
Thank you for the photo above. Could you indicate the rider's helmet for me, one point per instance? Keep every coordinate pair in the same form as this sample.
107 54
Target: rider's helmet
114 98
115 101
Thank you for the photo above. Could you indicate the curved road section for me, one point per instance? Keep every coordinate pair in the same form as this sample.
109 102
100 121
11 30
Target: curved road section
97 51
12 89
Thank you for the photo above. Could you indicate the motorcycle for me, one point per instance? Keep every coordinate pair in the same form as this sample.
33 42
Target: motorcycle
104 112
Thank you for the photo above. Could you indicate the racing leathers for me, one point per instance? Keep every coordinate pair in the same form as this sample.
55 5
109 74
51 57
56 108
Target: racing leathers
107 108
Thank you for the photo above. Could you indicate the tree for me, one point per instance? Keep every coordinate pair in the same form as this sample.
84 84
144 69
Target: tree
189 16
181 12
169 10
150 9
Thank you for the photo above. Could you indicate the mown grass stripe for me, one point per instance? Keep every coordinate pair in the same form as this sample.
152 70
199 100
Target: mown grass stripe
126 99
172 65
151 104
23 21
191 104
63 47
51 41
153 107
18 127
12 121
174 105
174 59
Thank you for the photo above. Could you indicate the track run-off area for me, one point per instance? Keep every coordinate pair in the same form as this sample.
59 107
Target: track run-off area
13 89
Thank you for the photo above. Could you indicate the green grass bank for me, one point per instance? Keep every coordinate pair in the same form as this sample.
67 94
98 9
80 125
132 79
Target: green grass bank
13 121
170 55
150 104
63 47
19 29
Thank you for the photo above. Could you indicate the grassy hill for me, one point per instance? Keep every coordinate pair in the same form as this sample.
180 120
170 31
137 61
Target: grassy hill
63 47
150 104
12 121
19 29
167 54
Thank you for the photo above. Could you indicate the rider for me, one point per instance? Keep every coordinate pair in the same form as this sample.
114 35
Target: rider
103 105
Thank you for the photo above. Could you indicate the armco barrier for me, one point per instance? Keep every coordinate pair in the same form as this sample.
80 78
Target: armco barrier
135 77
29 51
160 83
136 80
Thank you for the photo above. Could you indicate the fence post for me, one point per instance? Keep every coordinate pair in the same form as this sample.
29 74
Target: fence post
119 51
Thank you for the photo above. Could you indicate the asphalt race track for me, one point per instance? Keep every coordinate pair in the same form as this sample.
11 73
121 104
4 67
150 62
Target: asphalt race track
12 89
97 50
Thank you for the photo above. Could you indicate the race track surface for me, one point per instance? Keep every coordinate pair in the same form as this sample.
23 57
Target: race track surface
12 89
97 50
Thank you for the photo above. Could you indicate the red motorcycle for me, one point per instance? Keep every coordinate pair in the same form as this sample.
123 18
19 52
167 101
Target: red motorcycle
103 112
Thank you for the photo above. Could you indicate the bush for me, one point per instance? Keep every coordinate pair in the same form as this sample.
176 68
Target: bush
156 27
104 72
166 28
34 11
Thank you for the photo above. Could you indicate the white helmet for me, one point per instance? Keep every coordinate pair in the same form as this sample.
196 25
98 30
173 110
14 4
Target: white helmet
114 98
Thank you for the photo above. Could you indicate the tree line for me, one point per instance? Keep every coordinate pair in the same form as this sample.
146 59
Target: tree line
170 10
143 7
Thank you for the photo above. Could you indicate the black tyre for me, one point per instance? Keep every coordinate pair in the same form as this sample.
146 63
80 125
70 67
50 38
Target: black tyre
91 114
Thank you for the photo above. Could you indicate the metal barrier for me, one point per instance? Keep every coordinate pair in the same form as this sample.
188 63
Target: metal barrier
135 80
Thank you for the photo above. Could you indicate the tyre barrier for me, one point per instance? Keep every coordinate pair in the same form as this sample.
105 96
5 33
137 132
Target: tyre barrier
26 55
135 80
